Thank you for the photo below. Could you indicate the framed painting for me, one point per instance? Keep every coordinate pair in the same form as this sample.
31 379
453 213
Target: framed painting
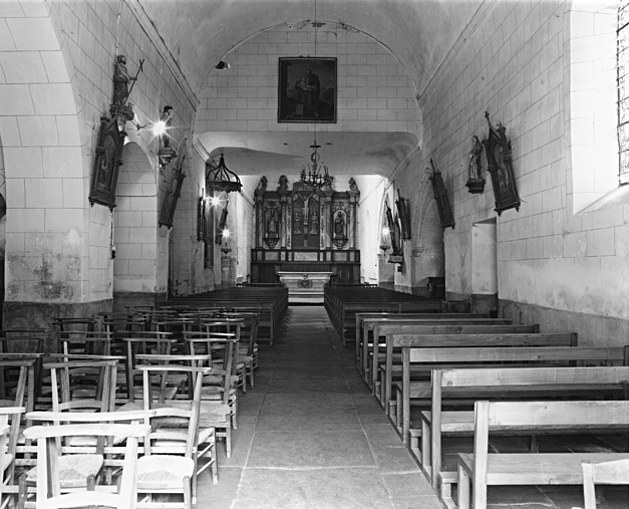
498 151
106 163
307 89
446 217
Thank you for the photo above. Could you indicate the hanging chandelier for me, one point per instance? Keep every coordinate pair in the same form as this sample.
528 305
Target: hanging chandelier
221 178
313 173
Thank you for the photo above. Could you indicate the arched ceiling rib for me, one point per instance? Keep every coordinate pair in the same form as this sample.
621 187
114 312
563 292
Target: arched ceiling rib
419 33
200 33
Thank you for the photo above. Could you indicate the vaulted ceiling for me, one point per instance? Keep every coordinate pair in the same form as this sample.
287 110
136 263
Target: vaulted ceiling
419 33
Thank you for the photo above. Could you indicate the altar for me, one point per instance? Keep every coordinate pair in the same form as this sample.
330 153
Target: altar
305 287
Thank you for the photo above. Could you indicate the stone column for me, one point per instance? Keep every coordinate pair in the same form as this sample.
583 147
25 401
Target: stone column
354 195
326 219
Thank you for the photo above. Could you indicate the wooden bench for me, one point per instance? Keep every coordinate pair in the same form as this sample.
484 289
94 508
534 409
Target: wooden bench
420 389
384 367
469 383
342 304
373 351
481 469
365 323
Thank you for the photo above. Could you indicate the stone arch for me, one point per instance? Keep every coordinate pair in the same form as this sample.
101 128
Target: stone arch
136 239
45 168
428 253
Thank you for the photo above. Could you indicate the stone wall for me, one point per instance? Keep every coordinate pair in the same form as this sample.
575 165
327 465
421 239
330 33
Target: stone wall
516 60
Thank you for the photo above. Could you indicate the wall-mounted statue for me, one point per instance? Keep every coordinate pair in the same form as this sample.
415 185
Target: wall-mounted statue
121 109
475 181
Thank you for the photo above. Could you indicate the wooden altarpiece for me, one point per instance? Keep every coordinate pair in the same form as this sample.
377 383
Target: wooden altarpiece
305 227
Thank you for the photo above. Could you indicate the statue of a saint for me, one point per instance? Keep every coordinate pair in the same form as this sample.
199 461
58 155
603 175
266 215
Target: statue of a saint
121 81
339 225
474 167
283 187
314 224
120 107
272 223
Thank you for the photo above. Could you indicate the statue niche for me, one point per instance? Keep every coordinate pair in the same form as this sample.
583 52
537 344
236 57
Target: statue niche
272 226
340 228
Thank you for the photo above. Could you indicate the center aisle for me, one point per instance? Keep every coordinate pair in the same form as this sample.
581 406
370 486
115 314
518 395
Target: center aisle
310 435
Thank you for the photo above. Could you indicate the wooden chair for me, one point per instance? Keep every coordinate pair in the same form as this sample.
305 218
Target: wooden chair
610 472
85 384
220 399
140 343
50 473
243 361
248 347
171 460
9 430
161 394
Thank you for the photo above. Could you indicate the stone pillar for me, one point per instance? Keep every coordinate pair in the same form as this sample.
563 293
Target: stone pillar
259 193
284 218
354 195
326 219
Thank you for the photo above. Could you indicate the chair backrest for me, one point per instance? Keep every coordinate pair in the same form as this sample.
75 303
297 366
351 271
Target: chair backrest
9 431
144 342
88 384
167 410
610 472
85 342
48 452
221 346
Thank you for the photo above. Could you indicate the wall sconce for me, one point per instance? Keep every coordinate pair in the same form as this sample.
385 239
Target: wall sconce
385 242
159 127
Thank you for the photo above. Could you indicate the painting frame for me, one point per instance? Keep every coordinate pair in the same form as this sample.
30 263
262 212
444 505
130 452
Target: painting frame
446 217
107 162
307 90
499 159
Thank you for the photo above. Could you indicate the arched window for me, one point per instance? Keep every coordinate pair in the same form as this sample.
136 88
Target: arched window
623 90
593 85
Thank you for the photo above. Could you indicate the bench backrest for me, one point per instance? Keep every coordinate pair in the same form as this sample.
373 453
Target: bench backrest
465 339
578 415
522 376
506 354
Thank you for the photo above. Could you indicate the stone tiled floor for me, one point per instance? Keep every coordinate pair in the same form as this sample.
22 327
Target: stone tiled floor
311 436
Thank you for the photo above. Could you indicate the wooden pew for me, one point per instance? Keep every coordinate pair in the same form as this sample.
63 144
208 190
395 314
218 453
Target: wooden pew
468 382
342 304
271 304
365 322
382 328
383 351
418 389
483 469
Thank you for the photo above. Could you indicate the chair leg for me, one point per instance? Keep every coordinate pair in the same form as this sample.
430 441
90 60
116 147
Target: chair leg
463 489
228 441
187 493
